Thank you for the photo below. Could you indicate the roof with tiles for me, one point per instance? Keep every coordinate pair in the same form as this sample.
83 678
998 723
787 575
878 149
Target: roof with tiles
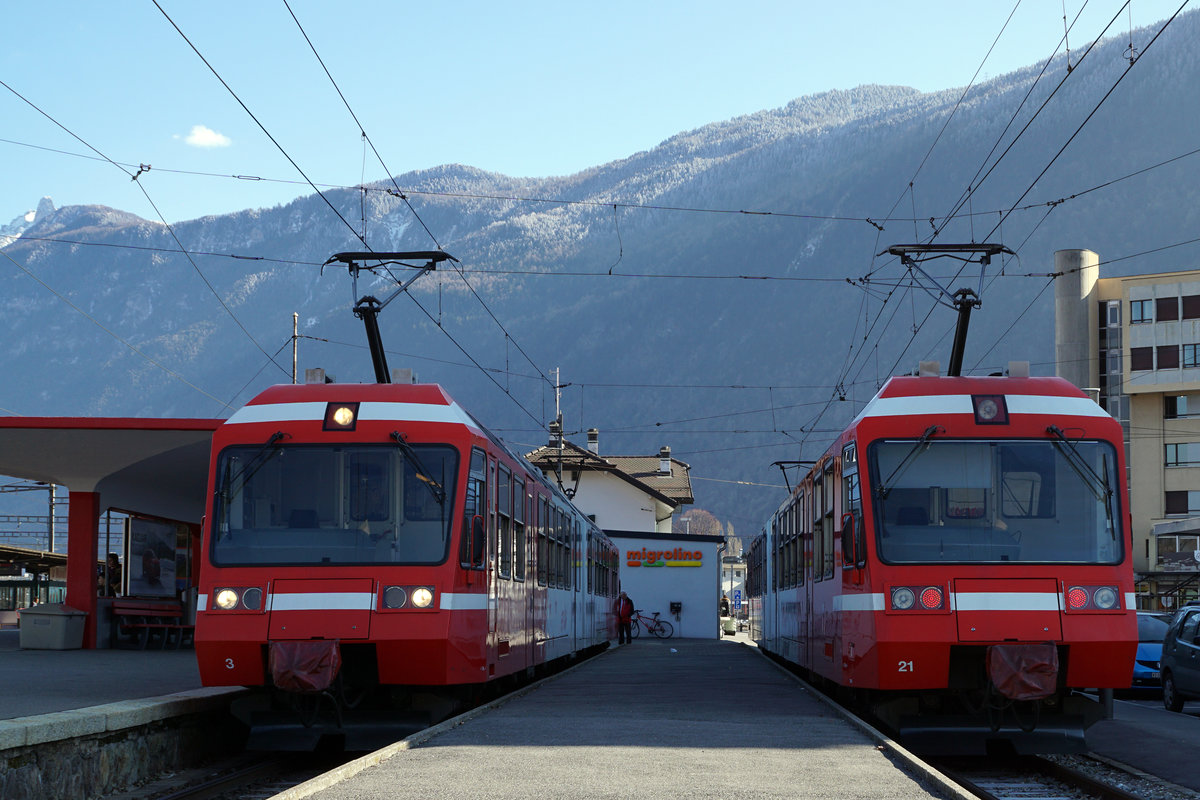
674 488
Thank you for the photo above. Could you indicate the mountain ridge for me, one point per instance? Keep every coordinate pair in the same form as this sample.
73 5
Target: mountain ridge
605 274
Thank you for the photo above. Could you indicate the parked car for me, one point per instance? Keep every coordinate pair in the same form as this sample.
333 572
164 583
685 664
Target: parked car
1152 627
1181 659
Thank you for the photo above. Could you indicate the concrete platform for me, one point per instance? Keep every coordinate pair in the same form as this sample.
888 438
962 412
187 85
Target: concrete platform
655 719
34 682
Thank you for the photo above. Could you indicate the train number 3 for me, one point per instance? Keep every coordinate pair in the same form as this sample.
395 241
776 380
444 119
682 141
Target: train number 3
904 666
229 664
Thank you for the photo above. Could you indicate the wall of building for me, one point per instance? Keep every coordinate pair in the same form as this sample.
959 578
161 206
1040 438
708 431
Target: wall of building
1097 314
656 570
616 504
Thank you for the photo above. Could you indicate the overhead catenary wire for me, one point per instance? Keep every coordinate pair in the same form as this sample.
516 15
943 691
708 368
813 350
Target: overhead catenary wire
399 193
262 127
141 187
113 334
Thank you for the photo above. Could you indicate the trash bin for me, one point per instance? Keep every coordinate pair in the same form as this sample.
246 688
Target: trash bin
53 626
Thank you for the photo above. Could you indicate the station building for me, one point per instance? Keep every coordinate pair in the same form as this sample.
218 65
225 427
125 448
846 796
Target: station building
1133 343
633 499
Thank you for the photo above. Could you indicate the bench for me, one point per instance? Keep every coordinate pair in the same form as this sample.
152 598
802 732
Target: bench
144 620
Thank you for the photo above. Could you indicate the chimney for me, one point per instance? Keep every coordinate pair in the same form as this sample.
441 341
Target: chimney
594 440
664 460
555 434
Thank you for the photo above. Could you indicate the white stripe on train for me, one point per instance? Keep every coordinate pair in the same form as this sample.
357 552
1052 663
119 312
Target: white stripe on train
367 412
961 404
355 601
972 601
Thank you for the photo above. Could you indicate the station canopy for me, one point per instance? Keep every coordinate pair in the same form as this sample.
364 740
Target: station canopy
152 466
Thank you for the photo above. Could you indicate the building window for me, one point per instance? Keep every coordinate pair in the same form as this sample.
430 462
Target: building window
1177 552
1168 356
1191 306
1166 308
1191 355
1182 454
1141 358
1175 406
1114 313
1181 503
1141 311
1113 361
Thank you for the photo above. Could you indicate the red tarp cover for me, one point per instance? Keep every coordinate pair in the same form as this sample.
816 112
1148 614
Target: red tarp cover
308 666
1023 671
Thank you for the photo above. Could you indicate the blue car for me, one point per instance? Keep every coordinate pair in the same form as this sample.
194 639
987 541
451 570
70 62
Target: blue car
1152 626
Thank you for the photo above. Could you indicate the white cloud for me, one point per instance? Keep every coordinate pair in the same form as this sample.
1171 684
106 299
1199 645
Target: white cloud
202 136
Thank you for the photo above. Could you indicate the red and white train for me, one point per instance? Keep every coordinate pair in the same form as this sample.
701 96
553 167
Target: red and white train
959 561
370 546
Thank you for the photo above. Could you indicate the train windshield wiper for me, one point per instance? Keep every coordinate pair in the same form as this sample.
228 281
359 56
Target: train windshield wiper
885 487
422 474
256 462
1098 484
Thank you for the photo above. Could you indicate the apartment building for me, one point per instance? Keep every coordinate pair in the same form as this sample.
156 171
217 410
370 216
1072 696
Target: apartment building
1134 343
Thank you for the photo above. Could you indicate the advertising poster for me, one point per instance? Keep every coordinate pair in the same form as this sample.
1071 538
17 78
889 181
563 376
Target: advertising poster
150 559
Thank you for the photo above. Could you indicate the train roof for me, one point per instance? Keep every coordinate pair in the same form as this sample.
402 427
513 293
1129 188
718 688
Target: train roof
381 401
934 396
910 386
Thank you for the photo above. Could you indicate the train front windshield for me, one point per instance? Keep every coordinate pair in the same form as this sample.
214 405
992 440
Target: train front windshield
331 505
1043 501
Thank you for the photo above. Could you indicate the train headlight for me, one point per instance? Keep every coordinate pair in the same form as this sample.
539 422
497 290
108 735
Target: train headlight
903 598
422 597
1077 598
394 597
341 416
226 599
990 409
1105 597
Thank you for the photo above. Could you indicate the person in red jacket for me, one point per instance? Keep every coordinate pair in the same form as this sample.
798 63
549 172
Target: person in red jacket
624 619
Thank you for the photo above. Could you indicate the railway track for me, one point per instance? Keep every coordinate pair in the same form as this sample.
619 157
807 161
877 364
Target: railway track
1046 779
246 777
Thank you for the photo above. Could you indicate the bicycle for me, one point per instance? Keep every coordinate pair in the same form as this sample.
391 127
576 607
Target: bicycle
659 627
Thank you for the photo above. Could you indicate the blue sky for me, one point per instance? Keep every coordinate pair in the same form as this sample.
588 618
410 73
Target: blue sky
526 88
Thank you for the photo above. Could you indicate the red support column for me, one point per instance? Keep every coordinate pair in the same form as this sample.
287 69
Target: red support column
83 526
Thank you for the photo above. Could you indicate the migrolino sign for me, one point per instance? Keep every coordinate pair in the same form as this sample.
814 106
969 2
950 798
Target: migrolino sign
663 558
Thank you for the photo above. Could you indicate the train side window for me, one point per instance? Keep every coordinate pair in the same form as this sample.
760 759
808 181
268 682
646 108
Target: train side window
798 521
504 488
474 541
829 488
853 538
491 510
543 532
520 504
818 522
777 549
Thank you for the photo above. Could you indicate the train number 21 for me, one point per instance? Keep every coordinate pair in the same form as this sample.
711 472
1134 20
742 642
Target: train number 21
904 666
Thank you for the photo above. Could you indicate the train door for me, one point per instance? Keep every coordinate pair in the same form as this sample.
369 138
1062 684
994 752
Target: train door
492 581
522 590
508 609
811 518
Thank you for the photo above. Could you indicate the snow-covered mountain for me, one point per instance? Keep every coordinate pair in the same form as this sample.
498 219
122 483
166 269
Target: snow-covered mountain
677 312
